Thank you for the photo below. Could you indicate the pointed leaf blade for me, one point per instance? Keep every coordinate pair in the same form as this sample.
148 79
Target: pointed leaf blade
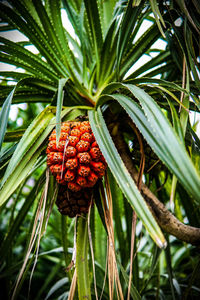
160 135
60 98
175 155
29 138
93 15
4 114
123 177
82 260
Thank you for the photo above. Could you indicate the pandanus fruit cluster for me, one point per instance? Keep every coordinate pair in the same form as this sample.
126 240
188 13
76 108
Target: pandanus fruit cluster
77 163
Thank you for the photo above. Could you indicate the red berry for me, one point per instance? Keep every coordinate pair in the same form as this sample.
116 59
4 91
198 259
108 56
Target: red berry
63 136
57 169
82 146
75 125
94 144
73 140
51 146
89 184
70 151
101 174
72 163
95 153
69 175
76 132
98 166
65 126
60 180
50 158
85 123
52 136
74 186
86 137
54 158
83 171
61 146
84 157
81 181
92 178
52 169
85 128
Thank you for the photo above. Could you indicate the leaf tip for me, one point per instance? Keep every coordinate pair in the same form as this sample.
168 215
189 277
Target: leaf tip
161 243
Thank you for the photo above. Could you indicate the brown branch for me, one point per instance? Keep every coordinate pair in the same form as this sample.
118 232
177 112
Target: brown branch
166 220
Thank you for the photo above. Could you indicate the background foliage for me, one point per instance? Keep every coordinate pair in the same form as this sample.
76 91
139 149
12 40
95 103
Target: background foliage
95 71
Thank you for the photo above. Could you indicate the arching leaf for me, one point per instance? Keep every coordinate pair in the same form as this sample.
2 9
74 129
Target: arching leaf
160 135
123 177
4 114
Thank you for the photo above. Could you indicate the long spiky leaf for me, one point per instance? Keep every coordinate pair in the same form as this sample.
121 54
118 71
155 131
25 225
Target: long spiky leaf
122 176
60 97
163 140
4 114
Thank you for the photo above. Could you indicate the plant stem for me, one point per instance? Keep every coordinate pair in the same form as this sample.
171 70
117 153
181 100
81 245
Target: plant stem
82 260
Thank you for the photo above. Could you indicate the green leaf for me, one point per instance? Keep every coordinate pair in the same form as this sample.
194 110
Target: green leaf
108 54
98 202
62 37
107 9
7 243
64 231
82 259
14 75
25 58
93 15
134 292
19 174
160 135
155 259
59 105
174 151
169 269
60 283
59 45
136 2
27 151
50 279
4 114
176 122
157 15
162 70
26 24
154 81
139 48
48 29
126 27
117 197
123 177
76 18
100 238
36 83
6 154
31 135
192 57
154 62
